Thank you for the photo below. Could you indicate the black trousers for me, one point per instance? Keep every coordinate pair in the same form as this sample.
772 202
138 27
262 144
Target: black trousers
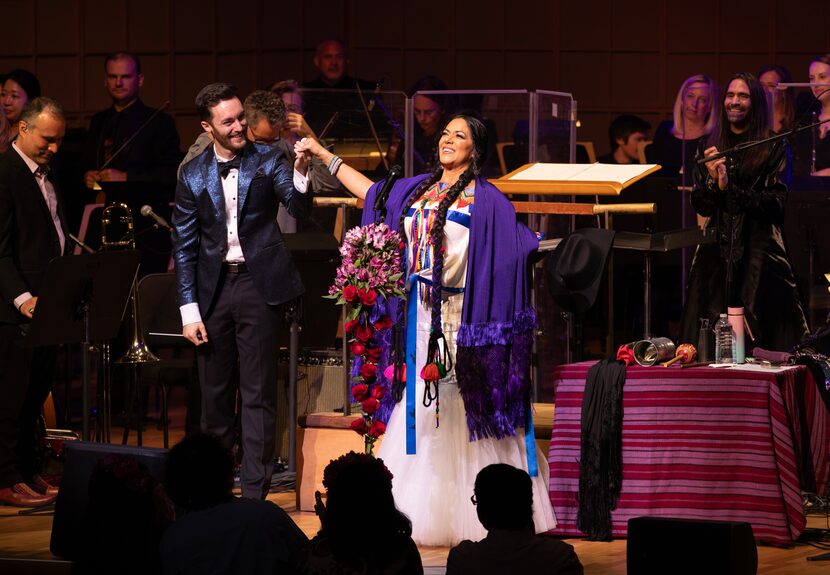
242 334
26 378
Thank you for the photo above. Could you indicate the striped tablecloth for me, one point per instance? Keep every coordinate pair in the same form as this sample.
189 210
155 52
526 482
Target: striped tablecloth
701 443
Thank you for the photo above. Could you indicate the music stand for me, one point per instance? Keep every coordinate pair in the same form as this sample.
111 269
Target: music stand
83 300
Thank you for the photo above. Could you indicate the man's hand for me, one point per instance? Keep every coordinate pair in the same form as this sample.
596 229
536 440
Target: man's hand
301 163
27 308
111 175
195 333
90 179
716 168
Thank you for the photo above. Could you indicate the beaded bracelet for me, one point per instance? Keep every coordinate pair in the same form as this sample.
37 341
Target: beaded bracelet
334 165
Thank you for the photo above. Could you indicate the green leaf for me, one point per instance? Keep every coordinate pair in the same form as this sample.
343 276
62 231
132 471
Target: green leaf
353 313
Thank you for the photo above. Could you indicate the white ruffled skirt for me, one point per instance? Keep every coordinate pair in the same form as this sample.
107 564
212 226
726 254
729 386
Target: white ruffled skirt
434 486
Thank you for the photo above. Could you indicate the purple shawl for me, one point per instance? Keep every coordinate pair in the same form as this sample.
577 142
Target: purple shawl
496 334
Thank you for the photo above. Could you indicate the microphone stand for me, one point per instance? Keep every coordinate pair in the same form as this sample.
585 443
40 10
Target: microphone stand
752 144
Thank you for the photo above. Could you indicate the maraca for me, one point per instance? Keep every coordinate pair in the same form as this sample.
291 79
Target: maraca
686 353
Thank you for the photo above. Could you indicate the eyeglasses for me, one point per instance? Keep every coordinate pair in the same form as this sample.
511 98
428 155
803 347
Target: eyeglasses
473 499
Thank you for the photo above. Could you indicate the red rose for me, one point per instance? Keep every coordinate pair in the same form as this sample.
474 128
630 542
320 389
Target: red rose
358 348
364 332
378 428
378 392
370 405
374 353
368 369
359 426
350 293
383 322
360 391
368 298
350 326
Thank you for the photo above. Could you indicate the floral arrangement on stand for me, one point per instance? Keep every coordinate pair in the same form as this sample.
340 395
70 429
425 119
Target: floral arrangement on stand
369 274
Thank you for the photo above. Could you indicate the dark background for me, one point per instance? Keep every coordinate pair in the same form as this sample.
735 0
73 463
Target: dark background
613 56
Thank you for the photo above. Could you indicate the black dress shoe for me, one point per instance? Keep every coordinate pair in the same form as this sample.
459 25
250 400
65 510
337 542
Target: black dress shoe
21 495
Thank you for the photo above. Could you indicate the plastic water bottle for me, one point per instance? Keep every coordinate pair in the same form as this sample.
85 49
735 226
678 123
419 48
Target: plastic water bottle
723 340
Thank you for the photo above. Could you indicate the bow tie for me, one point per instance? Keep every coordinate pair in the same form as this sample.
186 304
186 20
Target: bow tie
225 167
42 171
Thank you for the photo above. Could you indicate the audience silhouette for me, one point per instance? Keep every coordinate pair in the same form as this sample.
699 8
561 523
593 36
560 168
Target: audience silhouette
217 532
503 498
362 530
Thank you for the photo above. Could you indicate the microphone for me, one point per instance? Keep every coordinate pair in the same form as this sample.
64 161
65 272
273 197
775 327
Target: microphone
380 200
376 94
148 212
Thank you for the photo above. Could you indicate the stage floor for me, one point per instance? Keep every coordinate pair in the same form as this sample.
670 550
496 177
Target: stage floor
24 540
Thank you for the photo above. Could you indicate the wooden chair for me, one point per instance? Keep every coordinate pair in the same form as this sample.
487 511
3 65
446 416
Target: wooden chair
588 150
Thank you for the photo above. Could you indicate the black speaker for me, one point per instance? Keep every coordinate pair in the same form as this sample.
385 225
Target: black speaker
80 459
680 546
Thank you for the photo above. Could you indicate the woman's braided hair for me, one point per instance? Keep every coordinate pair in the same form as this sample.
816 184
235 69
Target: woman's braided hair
478 134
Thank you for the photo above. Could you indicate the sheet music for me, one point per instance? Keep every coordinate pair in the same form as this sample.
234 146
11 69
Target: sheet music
619 173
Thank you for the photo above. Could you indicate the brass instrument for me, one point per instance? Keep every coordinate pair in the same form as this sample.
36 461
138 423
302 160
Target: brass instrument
117 234
117 222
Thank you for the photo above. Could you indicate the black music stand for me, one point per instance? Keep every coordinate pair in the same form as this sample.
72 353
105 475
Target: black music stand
315 256
83 300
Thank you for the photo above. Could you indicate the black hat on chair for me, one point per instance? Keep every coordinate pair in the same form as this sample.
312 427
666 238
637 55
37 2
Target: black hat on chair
575 268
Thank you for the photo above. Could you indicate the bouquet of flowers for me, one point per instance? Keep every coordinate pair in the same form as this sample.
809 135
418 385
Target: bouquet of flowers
369 273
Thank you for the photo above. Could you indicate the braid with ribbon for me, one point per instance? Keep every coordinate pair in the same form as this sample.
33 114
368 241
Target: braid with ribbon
398 382
439 362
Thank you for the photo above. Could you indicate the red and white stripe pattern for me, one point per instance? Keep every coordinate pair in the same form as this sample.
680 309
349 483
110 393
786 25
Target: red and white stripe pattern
700 443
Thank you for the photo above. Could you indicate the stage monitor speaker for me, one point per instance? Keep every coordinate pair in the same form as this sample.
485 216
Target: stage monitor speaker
681 546
80 459
319 388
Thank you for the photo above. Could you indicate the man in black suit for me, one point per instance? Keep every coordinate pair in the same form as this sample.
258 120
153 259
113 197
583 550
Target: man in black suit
233 271
32 232
153 155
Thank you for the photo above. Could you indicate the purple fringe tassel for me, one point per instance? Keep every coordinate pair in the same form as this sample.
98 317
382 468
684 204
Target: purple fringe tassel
494 381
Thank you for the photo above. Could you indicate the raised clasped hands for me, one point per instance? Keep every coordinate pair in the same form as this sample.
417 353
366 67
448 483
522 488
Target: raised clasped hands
306 149
717 168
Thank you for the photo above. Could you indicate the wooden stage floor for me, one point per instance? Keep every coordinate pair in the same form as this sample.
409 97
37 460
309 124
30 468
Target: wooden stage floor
24 541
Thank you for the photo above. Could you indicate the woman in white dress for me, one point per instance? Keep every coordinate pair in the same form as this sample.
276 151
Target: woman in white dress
467 309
